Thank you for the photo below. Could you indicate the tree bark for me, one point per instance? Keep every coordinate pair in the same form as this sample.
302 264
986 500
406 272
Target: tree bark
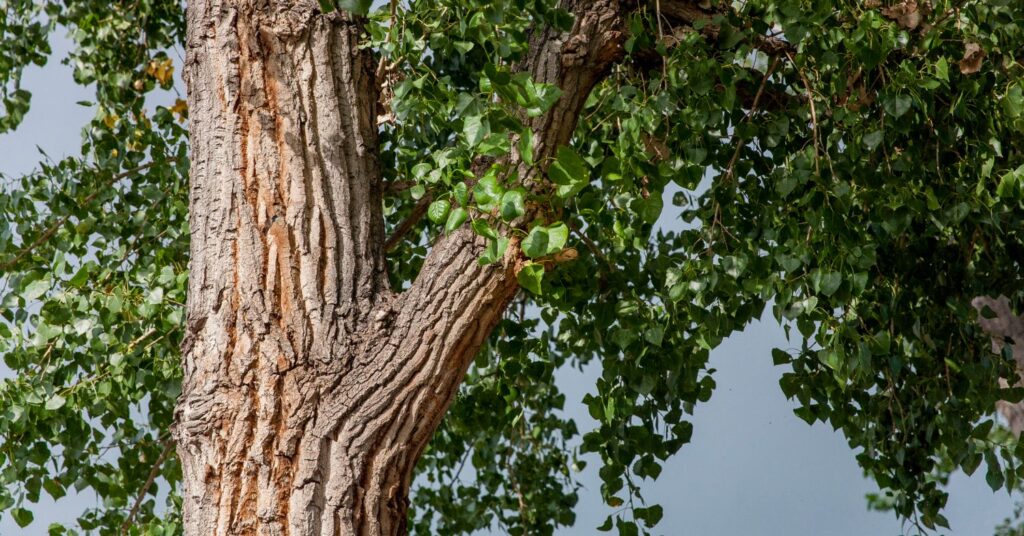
310 388
1006 328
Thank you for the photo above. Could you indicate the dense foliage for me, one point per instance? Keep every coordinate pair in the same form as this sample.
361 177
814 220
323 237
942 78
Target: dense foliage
853 167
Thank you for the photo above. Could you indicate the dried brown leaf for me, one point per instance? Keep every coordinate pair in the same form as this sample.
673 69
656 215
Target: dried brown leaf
973 56
908 14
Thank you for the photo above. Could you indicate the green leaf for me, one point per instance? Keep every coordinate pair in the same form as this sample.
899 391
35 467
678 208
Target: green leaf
650 209
627 528
650 515
1009 183
475 129
80 277
826 283
994 474
155 296
530 277
36 289
359 7
830 358
872 139
569 172
1013 102
438 210
461 193
971 463
55 402
525 146
654 335
543 241
982 430
455 219
897 105
483 228
513 204
421 170
54 488
487 192
495 251
22 516
942 70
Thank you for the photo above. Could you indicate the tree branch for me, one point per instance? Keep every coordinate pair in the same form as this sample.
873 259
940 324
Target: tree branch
168 443
403 229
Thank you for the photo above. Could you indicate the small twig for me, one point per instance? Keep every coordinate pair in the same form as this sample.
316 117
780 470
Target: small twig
53 229
589 243
519 492
657 15
396 186
814 114
145 488
462 463
950 12
403 228
750 113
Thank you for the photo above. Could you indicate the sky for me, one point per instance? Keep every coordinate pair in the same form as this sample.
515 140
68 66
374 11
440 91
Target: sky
752 468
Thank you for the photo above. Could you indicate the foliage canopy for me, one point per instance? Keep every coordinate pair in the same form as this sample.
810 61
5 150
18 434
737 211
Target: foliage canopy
856 168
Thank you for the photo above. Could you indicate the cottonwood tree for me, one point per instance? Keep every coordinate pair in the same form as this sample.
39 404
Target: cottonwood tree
338 304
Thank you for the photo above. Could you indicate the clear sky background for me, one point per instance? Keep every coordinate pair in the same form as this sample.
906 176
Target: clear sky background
753 468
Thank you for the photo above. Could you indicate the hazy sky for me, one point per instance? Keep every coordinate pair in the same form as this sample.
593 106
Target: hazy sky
753 467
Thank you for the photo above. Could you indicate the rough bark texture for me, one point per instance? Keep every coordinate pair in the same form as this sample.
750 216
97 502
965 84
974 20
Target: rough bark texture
310 388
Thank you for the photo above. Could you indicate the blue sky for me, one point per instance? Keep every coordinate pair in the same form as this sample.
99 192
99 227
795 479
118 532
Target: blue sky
753 468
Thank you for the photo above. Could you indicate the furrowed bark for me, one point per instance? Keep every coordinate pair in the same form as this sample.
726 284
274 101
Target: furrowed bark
310 389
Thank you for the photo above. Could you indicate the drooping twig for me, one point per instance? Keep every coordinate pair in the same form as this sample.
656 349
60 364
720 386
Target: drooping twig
145 488
814 114
750 113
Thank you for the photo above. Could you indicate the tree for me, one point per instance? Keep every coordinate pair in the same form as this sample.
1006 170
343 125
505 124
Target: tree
856 167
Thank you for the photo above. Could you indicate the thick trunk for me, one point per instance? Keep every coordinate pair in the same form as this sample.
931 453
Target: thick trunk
310 389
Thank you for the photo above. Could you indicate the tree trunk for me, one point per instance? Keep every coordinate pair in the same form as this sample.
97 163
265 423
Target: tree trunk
310 388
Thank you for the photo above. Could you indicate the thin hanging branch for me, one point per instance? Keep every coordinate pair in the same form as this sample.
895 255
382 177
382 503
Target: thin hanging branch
145 488
88 199
753 109
814 114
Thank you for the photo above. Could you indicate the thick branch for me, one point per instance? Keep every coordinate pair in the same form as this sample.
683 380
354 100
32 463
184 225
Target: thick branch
420 347
690 12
